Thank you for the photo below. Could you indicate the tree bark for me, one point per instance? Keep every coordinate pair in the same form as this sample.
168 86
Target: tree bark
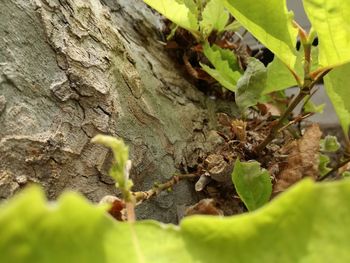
70 69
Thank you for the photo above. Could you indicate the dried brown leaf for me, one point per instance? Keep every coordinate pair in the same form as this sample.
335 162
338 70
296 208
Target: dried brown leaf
266 108
302 161
117 207
239 128
204 207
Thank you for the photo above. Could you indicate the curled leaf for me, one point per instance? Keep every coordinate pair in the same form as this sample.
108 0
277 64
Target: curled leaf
251 85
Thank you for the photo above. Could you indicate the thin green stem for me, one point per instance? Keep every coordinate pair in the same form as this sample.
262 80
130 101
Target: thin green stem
312 35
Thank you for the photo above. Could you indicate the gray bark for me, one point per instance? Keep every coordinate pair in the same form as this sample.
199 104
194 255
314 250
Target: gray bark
70 69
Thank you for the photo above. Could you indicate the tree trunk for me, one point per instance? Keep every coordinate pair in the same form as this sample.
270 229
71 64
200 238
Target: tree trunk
71 69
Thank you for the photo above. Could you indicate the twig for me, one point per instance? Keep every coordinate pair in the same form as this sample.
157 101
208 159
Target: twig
307 100
302 94
297 119
339 165
320 76
130 211
145 195
304 91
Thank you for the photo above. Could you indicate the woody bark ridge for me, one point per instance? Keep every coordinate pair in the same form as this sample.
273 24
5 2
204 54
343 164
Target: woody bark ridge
72 69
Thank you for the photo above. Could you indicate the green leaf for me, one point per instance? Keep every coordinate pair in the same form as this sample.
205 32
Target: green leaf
191 5
304 228
180 12
252 184
251 85
323 165
226 69
73 230
331 21
329 144
300 225
214 17
336 84
65 232
234 26
279 77
312 107
346 174
270 22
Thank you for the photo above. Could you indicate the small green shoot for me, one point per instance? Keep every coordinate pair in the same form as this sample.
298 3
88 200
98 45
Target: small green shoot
329 144
226 68
120 169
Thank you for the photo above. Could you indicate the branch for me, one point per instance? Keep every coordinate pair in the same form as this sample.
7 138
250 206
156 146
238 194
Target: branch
145 195
302 94
297 119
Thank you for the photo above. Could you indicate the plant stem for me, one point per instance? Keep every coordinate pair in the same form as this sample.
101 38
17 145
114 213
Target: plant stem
302 94
339 165
130 211
297 119
305 89
145 195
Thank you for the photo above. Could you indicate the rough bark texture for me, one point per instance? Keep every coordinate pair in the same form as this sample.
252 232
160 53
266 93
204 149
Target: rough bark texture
70 69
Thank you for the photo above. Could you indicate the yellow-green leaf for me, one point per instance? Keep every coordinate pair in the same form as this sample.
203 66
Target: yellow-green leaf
279 77
337 87
301 225
270 22
214 17
331 21
181 12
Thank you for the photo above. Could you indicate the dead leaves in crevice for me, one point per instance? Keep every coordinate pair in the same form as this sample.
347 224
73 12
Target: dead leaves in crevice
286 158
302 160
